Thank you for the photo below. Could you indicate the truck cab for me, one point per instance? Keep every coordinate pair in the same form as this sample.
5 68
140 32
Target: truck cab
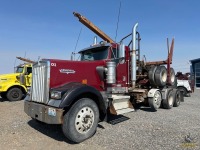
106 81
14 86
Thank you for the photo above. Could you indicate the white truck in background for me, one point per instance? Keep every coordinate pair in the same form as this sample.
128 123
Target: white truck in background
185 83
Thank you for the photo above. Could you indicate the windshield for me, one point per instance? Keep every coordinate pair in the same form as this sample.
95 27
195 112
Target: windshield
19 70
99 53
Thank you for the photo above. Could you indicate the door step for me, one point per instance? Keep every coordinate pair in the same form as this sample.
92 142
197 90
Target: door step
121 104
115 119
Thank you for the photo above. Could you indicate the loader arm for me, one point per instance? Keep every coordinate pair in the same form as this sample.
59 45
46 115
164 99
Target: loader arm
92 27
26 60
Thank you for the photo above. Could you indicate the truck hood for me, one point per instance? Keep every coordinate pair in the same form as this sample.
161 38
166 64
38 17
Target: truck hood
5 77
64 72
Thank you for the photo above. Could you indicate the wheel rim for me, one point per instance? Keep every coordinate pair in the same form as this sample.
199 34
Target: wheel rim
15 94
84 120
164 76
157 98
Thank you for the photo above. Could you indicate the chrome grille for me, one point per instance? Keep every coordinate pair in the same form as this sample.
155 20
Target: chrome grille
40 82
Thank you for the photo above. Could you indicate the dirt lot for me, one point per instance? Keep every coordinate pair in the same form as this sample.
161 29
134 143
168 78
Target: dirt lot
164 129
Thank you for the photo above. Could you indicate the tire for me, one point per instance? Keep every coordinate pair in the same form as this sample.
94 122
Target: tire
14 94
177 97
161 76
175 83
80 122
169 101
172 77
151 74
3 95
183 90
155 102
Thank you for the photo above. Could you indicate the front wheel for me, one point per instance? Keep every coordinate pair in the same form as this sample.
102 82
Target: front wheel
14 94
80 122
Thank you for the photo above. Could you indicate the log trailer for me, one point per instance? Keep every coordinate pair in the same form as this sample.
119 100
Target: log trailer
109 80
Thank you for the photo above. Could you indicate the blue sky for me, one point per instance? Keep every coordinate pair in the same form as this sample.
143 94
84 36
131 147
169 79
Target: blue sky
48 29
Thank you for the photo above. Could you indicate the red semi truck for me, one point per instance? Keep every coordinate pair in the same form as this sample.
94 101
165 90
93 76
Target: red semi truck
109 79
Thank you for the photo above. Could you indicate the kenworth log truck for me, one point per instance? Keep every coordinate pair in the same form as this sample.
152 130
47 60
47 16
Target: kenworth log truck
109 79
14 86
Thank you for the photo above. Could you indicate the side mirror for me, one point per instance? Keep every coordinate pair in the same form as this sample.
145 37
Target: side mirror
121 51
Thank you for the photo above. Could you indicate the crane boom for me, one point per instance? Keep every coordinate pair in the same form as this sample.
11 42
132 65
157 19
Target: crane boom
92 27
26 60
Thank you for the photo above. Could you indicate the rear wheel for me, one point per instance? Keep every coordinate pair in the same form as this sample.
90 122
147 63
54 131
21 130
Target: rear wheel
169 101
182 89
177 97
81 121
151 74
14 94
155 101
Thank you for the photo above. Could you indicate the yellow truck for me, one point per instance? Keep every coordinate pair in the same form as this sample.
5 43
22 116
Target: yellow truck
14 86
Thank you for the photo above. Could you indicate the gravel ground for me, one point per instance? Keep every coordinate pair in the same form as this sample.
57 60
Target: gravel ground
145 130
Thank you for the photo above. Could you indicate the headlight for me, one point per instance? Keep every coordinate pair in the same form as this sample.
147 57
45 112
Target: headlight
55 95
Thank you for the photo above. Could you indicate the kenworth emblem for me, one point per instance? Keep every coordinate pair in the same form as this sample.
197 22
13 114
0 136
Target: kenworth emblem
67 71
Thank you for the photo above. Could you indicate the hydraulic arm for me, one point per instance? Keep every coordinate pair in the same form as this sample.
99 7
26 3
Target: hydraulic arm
92 27
26 60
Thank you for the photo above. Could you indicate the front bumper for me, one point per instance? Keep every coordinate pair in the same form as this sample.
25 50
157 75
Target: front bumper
43 113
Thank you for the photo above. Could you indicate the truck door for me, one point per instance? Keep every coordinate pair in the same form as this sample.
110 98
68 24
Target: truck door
28 76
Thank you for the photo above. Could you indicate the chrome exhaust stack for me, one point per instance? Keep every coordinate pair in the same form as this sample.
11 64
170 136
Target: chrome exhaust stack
133 56
95 40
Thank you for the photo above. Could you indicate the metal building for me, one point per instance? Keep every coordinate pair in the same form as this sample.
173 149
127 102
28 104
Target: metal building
195 71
